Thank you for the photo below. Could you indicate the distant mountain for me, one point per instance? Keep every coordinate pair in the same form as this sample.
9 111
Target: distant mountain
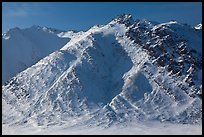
22 48
123 71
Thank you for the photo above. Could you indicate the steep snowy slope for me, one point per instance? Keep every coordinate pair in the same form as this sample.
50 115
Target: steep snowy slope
22 48
123 71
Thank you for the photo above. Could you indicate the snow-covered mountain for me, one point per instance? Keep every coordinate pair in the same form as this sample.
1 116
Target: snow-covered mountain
123 71
22 48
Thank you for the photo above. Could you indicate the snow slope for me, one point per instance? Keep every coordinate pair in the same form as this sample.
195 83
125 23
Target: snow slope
112 74
22 48
136 128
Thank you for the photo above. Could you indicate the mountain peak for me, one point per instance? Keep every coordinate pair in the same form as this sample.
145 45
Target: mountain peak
124 19
36 27
15 29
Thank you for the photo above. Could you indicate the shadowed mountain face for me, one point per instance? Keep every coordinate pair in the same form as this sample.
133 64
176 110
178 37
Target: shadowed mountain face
103 66
22 48
114 73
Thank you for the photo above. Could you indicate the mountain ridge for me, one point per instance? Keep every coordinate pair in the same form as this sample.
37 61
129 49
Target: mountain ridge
113 73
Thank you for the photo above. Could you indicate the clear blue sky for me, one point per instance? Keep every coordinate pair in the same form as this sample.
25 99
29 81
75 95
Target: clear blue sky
83 15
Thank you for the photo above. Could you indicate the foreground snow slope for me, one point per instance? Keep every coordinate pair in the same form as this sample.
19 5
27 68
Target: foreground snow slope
136 128
22 48
112 74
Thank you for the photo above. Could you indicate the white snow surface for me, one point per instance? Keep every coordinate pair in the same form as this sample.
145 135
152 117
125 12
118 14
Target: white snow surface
102 82
137 128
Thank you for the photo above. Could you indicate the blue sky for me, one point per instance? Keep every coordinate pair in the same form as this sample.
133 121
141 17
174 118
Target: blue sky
83 15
